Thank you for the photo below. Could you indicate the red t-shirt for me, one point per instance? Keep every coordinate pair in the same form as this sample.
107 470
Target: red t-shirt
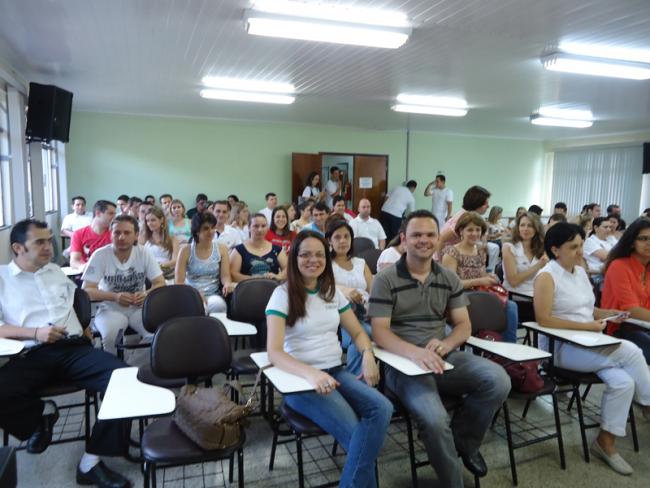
623 288
283 241
86 241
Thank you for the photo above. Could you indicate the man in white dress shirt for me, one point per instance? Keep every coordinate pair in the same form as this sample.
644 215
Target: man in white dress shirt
36 306
271 203
399 202
333 187
364 225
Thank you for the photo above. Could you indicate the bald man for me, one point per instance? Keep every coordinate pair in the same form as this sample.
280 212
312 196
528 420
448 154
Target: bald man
364 225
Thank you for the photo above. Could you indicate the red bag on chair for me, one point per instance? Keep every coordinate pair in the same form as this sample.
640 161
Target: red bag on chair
497 290
524 376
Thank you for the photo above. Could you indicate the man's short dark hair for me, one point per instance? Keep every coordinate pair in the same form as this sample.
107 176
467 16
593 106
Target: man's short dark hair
611 207
441 178
150 197
234 197
536 209
78 197
222 202
420 214
411 184
557 217
20 229
102 206
127 218
332 169
123 197
201 197
164 195
337 199
134 200
559 234
321 207
269 194
561 205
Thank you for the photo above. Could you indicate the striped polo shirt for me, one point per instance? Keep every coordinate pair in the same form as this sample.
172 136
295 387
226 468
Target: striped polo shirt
417 310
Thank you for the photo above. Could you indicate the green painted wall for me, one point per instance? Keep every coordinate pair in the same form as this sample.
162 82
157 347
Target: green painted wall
112 154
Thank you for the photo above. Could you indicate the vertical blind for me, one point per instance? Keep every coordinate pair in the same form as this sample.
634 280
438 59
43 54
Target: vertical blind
601 175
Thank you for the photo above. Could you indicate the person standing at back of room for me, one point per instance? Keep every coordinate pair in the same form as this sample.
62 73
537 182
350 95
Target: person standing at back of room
399 201
442 198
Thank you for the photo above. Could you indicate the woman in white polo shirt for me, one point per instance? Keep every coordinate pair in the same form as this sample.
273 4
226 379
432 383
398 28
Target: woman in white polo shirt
303 317
564 299
597 247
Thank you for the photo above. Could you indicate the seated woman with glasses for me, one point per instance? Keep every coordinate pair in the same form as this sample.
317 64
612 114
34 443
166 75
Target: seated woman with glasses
627 282
203 264
303 317
257 257
467 259
353 277
564 299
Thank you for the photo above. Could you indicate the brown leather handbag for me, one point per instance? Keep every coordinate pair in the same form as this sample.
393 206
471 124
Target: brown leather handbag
210 418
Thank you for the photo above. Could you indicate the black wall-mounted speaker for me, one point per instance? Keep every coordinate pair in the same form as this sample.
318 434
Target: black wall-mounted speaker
48 113
646 158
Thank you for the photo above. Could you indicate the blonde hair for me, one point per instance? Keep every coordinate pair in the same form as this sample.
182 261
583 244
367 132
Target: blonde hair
165 237
235 213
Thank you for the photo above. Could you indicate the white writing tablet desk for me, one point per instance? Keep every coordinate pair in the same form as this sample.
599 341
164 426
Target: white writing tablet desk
10 347
639 323
233 327
582 338
513 352
402 364
128 398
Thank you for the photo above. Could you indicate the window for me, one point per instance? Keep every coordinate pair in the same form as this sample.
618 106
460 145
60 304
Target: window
5 158
50 178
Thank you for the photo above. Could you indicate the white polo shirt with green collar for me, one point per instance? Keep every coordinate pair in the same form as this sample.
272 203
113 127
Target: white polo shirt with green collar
313 339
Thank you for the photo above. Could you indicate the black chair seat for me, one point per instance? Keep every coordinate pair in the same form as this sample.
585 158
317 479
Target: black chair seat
575 376
298 422
547 389
58 389
164 442
146 376
243 366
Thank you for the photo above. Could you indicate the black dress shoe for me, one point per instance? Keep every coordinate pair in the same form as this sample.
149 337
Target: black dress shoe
40 439
474 463
103 477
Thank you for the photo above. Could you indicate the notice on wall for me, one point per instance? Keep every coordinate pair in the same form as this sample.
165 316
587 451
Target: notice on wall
365 182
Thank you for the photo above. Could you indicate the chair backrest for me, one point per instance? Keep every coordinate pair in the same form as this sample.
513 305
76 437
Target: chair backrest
190 347
82 307
360 244
486 312
248 302
371 256
168 302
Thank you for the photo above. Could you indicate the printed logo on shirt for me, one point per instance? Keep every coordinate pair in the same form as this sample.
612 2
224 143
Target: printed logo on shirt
127 280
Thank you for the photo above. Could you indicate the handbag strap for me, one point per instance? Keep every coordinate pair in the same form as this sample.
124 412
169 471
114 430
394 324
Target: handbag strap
253 395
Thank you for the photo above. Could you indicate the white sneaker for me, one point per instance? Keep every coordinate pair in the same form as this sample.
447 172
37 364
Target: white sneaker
615 461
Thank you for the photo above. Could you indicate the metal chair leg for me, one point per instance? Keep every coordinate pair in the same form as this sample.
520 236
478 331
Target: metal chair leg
635 438
558 429
153 475
87 415
240 467
301 475
409 434
494 419
587 390
526 407
581 420
274 444
230 468
511 450
334 448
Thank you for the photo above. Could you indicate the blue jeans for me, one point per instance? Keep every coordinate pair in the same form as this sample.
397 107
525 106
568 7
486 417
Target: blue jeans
640 337
512 318
484 386
353 358
357 416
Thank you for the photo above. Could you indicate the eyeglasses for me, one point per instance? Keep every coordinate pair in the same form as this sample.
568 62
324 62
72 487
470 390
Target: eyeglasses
307 255
643 238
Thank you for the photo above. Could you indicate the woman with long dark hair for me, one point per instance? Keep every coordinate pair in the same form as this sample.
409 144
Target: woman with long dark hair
279 233
303 317
312 188
564 299
627 282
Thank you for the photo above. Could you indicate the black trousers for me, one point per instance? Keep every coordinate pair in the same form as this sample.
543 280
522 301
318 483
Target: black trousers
71 360
391 225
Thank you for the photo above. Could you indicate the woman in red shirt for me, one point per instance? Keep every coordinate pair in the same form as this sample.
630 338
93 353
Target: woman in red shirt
279 233
627 282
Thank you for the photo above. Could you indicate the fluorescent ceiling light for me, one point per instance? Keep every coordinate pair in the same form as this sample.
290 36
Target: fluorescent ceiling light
431 101
327 23
596 66
538 119
247 85
424 109
565 113
242 96
606 51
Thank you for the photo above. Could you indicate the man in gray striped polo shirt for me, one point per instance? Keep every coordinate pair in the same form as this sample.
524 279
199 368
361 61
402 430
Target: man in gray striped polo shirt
410 304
